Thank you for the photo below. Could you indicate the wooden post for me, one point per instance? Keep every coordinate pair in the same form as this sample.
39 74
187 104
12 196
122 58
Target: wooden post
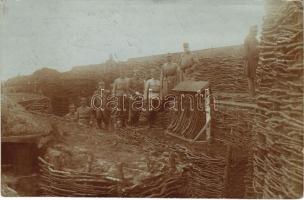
208 114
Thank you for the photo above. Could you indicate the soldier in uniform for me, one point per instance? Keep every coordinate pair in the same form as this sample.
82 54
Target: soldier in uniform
109 64
187 62
152 95
168 76
136 91
121 91
72 113
251 58
102 113
84 113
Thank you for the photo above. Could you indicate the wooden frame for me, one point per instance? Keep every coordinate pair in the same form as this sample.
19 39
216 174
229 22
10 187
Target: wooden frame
207 126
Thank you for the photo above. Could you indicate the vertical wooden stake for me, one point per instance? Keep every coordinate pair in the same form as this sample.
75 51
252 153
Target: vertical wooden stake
208 114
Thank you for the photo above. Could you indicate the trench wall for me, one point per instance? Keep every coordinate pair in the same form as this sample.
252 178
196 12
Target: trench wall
278 129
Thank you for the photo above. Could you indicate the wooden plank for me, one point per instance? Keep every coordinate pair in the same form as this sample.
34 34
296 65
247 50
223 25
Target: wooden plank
22 138
191 86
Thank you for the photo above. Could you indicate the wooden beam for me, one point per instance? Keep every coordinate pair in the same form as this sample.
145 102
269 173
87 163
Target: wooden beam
22 138
201 132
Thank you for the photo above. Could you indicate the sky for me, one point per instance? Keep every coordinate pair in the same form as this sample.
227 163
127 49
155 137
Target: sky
61 34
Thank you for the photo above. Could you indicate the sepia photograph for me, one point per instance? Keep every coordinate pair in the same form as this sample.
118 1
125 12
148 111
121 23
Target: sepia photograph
152 98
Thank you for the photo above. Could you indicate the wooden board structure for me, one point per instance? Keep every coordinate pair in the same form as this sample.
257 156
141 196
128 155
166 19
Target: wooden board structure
193 117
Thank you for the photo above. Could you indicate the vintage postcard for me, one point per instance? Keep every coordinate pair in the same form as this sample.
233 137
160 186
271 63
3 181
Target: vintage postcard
152 98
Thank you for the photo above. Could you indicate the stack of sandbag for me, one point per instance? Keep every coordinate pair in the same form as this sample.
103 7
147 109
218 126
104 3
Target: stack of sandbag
232 124
32 101
206 174
224 73
42 104
278 157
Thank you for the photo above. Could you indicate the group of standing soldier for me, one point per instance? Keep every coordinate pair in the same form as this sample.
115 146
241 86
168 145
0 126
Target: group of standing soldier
128 91
157 86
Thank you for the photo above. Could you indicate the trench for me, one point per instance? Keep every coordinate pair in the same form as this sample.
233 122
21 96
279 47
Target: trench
19 167
230 126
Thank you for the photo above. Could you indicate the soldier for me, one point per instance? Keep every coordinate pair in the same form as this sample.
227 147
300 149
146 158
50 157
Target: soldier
136 91
152 95
251 58
109 64
102 113
187 62
84 113
168 76
121 91
72 113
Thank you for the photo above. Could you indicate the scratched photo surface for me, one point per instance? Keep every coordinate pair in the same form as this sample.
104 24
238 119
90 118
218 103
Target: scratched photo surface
152 98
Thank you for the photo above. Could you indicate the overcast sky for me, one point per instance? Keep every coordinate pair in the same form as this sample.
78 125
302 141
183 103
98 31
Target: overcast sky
64 33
